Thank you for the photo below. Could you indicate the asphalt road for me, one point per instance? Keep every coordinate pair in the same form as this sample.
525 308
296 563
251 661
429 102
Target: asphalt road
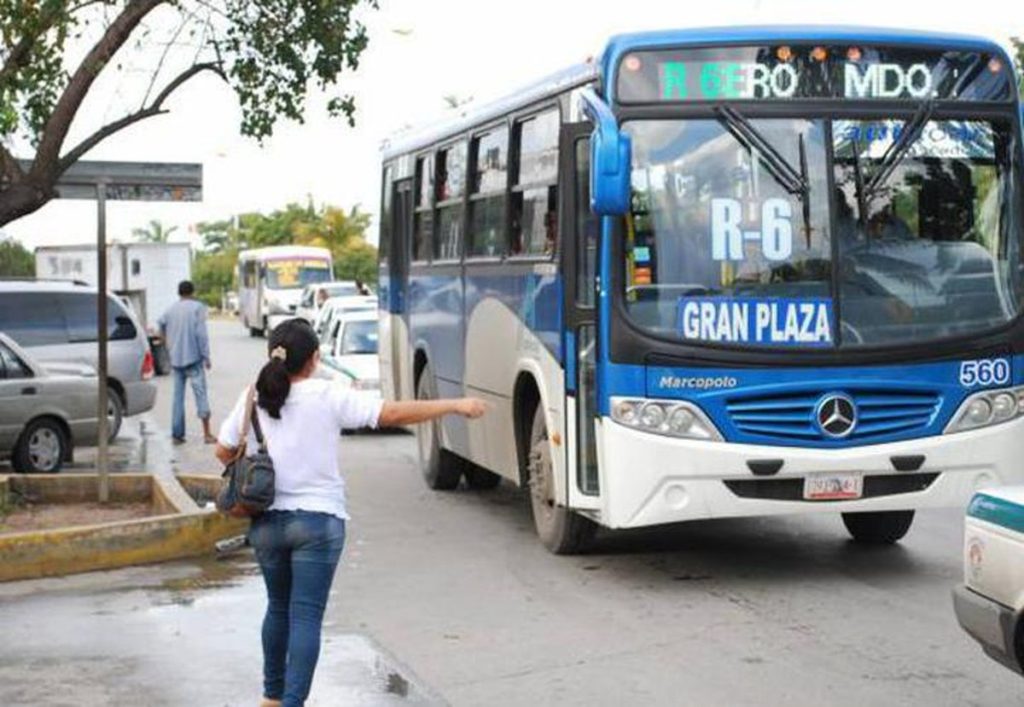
449 597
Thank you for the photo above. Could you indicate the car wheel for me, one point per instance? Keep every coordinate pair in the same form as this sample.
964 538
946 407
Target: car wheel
878 527
41 448
440 468
559 529
115 413
480 479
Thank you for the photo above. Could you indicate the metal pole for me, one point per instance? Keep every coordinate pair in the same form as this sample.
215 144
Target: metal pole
102 454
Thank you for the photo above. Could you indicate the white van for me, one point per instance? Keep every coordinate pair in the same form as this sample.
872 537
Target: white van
271 280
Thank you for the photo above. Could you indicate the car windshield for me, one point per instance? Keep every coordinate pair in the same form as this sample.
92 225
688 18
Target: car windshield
292 274
731 238
358 338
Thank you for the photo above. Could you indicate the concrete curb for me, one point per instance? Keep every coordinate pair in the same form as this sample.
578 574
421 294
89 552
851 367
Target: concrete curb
180 529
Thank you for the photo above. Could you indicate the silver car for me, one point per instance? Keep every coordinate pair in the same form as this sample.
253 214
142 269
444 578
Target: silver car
55 321
44 412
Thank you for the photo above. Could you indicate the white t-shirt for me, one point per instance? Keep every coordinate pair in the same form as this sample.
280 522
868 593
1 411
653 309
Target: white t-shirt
304 442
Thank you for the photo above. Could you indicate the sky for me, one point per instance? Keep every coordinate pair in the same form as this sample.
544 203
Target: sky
420 51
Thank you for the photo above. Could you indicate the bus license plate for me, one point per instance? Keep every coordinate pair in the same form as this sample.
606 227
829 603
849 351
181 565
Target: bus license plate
833 487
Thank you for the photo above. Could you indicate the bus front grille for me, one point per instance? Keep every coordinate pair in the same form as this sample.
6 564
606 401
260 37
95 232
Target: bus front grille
791 417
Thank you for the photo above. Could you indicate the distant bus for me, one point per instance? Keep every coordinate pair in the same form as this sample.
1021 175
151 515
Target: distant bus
271 280
718 273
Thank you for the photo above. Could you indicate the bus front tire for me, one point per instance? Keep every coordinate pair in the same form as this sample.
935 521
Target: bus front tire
441 469
560 530
878 527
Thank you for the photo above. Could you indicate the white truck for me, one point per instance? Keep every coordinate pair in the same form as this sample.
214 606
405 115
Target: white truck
146 275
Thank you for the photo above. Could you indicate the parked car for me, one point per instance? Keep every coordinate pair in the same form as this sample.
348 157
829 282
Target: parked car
990 602
337 306
44 411
349 355
316 295
55 321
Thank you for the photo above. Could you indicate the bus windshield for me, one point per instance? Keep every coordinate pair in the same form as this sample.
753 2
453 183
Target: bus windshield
293 273
734 236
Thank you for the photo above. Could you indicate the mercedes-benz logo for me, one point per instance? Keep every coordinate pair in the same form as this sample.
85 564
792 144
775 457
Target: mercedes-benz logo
836 415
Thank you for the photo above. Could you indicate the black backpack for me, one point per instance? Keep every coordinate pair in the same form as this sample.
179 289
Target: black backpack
248 487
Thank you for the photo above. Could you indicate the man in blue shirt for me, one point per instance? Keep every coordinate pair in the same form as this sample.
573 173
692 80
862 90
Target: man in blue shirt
183 328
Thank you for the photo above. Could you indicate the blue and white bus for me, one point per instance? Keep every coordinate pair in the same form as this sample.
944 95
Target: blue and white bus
718 273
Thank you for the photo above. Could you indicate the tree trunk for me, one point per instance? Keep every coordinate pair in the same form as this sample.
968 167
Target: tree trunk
22 198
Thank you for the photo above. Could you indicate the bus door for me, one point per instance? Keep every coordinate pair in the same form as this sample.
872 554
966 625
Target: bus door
581 229
398 280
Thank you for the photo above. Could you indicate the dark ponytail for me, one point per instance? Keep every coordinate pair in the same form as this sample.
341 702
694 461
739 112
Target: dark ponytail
291 345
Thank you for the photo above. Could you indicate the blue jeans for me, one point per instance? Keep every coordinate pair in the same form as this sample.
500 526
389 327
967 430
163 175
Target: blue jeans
298 552
197 375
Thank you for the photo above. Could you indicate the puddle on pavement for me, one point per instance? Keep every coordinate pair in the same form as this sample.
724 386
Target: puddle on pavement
206 575
353 669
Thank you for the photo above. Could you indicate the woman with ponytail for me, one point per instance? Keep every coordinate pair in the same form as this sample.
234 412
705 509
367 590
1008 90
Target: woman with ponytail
298 541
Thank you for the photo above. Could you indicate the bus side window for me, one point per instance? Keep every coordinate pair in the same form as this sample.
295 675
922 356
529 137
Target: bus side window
451 186
423 224
486 237
535 194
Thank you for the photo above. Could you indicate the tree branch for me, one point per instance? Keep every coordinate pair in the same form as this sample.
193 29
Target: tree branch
56 130
154 108
10 170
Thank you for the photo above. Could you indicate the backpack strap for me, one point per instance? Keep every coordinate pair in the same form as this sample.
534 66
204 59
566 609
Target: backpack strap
250 402
257 429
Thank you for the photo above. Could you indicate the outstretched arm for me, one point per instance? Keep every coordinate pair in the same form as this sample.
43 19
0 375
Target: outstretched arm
410 412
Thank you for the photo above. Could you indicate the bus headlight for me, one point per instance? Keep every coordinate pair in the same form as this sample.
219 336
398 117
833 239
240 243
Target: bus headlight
664 417
989 407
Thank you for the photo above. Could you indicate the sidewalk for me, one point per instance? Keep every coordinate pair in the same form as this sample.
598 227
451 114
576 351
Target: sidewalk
184 633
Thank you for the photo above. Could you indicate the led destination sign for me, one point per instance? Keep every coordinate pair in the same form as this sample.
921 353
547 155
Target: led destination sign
791 72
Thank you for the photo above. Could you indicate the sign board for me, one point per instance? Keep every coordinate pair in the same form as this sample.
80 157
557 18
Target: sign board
785 72
131 181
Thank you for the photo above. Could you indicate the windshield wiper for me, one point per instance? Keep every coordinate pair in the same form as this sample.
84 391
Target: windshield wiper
897 150
794 181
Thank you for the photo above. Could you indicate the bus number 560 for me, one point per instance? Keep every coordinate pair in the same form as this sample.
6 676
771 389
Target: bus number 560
989 371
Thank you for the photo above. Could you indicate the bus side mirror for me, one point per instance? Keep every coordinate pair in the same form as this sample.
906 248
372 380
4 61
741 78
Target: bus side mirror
610 161
610 156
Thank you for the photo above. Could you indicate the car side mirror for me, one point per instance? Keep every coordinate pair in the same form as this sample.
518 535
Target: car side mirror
610 159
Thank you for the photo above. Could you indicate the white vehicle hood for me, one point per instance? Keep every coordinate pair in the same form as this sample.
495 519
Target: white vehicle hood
359 366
